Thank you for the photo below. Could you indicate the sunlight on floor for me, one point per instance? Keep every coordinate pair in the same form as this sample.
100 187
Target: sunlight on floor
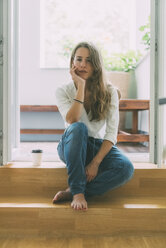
140 206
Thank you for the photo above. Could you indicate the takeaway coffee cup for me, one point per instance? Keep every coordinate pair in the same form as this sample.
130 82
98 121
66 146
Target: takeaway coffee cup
37 157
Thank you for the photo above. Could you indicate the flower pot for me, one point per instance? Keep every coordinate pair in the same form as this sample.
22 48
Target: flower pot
121 80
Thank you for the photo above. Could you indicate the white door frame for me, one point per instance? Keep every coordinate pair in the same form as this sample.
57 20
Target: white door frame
10 102
13 65
4 83
162 78
153 81
1 82
157 80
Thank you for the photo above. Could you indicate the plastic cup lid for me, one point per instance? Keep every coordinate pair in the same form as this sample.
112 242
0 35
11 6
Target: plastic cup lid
37 151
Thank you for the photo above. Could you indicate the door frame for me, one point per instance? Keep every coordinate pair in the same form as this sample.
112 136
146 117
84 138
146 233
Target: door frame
4 84
1 82
156 80
10 114
10 79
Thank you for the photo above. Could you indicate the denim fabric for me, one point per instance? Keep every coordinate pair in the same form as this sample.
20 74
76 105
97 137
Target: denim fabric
77 150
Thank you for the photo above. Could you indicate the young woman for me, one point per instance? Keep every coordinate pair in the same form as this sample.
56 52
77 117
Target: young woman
90 108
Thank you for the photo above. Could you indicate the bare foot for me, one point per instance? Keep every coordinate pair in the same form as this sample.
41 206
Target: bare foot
62 196
79 202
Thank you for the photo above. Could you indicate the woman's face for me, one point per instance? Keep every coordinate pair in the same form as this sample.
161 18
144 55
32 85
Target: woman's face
83 63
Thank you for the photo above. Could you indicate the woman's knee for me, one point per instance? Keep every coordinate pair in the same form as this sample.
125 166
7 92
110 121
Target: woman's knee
78 129
128 169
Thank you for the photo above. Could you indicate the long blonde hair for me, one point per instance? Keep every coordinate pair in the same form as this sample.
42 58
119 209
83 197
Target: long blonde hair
97 85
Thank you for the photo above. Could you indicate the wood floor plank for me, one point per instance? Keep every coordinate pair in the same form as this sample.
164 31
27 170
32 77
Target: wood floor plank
29 181
104 217
157 241
124 242
59 164
9 203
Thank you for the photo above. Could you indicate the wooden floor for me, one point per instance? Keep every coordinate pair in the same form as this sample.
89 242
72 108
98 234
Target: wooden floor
128 147
135 151
155 241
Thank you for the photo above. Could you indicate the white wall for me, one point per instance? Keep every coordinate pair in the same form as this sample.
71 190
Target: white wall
37 86
142 13
142 74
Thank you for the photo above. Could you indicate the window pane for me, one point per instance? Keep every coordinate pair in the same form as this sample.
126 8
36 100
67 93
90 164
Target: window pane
65 23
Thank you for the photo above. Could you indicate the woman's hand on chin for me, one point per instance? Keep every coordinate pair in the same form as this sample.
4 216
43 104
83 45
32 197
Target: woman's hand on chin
77 79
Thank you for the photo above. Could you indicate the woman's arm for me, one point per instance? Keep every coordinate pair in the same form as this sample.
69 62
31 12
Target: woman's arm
74 113
92 168
110 137
104 149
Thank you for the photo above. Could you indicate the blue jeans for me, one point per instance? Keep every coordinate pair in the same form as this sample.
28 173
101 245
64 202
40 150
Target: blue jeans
77 150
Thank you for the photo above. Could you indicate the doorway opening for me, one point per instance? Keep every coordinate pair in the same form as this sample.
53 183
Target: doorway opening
42 69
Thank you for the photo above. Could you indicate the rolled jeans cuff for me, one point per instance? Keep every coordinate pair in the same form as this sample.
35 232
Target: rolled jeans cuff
75 189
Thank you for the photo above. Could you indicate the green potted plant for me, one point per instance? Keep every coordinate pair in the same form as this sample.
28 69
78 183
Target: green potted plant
146 36
120 70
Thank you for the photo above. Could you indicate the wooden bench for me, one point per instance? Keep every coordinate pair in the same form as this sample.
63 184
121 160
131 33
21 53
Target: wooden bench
124 105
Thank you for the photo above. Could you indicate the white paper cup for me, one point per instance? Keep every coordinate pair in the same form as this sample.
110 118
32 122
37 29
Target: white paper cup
37 157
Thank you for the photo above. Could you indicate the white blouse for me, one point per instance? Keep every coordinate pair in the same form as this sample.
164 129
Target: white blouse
106 129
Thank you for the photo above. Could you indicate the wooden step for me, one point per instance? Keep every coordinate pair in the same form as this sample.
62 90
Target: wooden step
116 241
22 179
119 215
26 208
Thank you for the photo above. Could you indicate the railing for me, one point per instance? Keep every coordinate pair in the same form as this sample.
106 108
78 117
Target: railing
133 105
